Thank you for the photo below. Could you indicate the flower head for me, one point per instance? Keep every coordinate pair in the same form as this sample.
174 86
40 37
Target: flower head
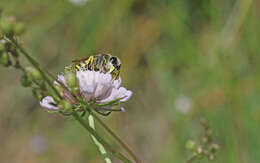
101 87
94 86
49 104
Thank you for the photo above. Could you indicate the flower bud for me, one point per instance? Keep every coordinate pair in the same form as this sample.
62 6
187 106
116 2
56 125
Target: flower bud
25 81
5 59
19 29
6 25
190 145
71 79
33 73
65 106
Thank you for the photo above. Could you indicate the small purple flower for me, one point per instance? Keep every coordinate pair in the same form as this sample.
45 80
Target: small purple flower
94 86
101 87
48 103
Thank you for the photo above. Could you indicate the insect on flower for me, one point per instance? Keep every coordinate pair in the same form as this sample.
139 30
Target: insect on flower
104 63
98 82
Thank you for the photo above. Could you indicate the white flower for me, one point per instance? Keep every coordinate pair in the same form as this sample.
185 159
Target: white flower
183 104
101 87
48 103
95 86
78 2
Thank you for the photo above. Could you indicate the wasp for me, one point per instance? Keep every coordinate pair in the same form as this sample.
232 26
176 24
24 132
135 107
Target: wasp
104 63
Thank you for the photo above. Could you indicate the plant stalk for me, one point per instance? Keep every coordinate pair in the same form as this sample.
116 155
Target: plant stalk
101 148
100 139
128 150
36 65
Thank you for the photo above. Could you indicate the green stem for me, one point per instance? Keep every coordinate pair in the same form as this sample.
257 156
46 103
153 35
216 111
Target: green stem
100 139
98 144
36 65
128 150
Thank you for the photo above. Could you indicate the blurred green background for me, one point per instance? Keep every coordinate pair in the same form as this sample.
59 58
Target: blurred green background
183 59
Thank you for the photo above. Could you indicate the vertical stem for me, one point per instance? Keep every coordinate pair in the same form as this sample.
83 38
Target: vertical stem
36 65
98 144
117 138
100 139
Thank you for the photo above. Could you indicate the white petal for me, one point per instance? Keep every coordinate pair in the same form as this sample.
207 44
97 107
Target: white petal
62 79
105 78
101 86
112 96
104 86
86 81
48 103
90 76
117 83
124 94
87 84
106 93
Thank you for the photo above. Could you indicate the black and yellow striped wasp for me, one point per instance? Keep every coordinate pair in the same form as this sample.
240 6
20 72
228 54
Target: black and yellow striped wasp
104 63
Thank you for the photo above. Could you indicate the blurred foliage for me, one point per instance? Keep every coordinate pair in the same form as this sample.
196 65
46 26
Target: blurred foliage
184 60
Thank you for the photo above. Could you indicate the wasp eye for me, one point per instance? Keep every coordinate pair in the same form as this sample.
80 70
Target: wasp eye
113 60
118 66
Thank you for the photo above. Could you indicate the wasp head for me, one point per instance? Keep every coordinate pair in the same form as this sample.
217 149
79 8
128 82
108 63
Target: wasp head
115 62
